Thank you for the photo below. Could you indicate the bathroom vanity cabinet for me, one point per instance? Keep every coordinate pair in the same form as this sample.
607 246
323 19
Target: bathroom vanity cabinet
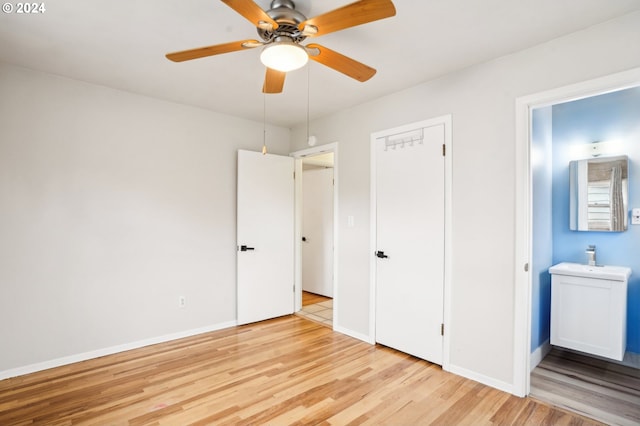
589 308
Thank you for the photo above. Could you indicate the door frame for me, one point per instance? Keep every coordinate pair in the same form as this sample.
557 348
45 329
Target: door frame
297 235
445 120
524 206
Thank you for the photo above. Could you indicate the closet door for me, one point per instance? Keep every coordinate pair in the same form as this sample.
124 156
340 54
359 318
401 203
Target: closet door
410 209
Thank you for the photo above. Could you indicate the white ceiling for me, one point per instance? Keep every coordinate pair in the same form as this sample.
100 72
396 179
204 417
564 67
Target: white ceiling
122 43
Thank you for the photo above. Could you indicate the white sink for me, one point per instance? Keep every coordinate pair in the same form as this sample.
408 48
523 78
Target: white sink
605 272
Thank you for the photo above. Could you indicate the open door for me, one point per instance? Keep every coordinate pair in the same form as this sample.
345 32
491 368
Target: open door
265 229
317 227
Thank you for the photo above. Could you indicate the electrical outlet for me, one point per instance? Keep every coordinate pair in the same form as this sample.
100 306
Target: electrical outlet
182 302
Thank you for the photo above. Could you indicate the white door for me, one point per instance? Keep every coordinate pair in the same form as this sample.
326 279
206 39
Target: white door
265 236
410 241
317 231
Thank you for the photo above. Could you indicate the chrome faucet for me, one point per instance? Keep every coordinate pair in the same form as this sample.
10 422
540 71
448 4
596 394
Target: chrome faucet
591 255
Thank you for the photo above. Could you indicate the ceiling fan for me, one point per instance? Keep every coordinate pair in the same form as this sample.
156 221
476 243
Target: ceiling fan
282 30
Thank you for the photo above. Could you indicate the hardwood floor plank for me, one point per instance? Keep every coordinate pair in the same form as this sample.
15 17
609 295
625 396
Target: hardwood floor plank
443 403
312 298
586 388
482 413
472 406
283 371
605 376
595 387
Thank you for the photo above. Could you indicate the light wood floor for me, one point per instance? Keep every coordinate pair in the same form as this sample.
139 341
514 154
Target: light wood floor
312 298
601 389
317 308
278 372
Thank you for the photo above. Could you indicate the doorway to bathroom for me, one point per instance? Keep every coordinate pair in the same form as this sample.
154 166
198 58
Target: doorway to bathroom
545 130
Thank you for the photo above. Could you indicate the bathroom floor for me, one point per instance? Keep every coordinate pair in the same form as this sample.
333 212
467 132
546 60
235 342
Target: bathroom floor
317 308
603 390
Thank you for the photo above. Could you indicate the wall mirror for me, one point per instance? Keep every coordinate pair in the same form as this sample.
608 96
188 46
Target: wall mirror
598 192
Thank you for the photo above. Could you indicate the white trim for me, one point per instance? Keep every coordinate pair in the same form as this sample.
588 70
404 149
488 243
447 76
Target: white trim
373 218
298 156
58 362
523 208
480 378
522 275
448 239
297 236
320 149
446 120
360 336
538 355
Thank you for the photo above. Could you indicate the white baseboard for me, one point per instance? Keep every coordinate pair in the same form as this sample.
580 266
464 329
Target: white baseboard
539 354
32 368
354 334
480 378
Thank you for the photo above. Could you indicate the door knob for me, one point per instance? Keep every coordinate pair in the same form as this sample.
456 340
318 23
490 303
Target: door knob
381 255
245 248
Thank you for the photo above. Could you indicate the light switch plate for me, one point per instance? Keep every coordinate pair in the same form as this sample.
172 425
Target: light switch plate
635 216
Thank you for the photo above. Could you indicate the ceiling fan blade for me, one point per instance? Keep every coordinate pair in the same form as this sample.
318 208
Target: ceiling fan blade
251 11
341 63
273 81
353 14
202 52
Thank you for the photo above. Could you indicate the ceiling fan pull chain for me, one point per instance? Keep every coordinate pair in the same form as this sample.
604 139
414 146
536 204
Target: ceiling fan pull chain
264 124
308 97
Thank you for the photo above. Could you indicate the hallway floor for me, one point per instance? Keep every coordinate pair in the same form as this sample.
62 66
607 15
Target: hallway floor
317 308
603 390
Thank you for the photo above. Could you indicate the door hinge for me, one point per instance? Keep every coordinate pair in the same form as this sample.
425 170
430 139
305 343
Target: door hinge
444 150
442 329
526 267
294 175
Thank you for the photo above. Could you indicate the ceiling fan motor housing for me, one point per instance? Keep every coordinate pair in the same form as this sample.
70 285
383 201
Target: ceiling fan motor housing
288 19
275 4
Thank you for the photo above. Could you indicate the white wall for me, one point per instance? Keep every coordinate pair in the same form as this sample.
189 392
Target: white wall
481 100
112 205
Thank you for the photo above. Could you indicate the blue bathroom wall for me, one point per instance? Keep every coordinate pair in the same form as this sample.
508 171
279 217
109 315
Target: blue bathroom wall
542 230
615 118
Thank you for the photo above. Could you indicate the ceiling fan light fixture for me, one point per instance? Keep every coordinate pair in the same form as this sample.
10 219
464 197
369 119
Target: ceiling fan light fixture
284 56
